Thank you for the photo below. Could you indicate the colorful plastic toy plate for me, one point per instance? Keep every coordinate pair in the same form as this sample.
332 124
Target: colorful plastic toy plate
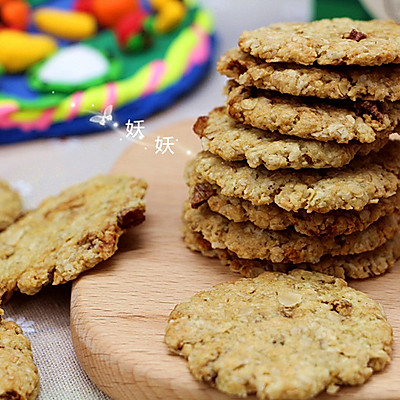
40 103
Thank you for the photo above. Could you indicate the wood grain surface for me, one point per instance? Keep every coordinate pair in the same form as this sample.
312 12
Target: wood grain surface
119 310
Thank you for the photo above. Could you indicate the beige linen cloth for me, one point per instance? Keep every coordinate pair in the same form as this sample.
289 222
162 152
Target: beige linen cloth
45 321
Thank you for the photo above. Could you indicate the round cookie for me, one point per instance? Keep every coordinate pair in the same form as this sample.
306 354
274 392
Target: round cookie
365 83
232 141
310 118
272 217
250 242
69 233
253 336
357 266
364 181
19 378
335 41
10 205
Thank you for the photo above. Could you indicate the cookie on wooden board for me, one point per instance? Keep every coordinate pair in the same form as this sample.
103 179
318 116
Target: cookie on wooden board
333 223
233 141
69 233
281 336
365 83
364 181
337 41
358 266
250 242
312 118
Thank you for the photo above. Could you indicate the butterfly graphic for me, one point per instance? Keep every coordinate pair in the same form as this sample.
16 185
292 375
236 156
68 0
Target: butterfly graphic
103 119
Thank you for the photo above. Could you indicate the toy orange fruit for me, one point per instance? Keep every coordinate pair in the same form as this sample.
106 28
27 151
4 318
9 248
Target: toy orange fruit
15 14
109 13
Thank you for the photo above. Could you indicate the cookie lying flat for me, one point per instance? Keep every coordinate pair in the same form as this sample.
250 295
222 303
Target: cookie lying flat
335 41
10 205
362 182
248 241
281 336
366 83
69 233
233 141
359 266
19 378
272 217
310 118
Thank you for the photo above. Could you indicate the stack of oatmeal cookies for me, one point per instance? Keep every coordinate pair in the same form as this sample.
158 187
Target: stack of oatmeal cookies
298 169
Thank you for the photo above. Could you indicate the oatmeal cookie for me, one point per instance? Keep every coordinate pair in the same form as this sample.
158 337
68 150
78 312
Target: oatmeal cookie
338 41
232 141
69 233
310 118
364 181
350 82
333 223
248 241
356 266
253 336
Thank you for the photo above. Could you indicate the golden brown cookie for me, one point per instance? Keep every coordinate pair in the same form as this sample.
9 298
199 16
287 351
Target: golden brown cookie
364 181
352 82
281 336
10 205
233 141
333 223
69 233
326 42
250 242
310 118
358 266
19 378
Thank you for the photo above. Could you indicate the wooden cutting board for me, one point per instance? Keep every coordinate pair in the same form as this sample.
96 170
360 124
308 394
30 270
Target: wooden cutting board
119 310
